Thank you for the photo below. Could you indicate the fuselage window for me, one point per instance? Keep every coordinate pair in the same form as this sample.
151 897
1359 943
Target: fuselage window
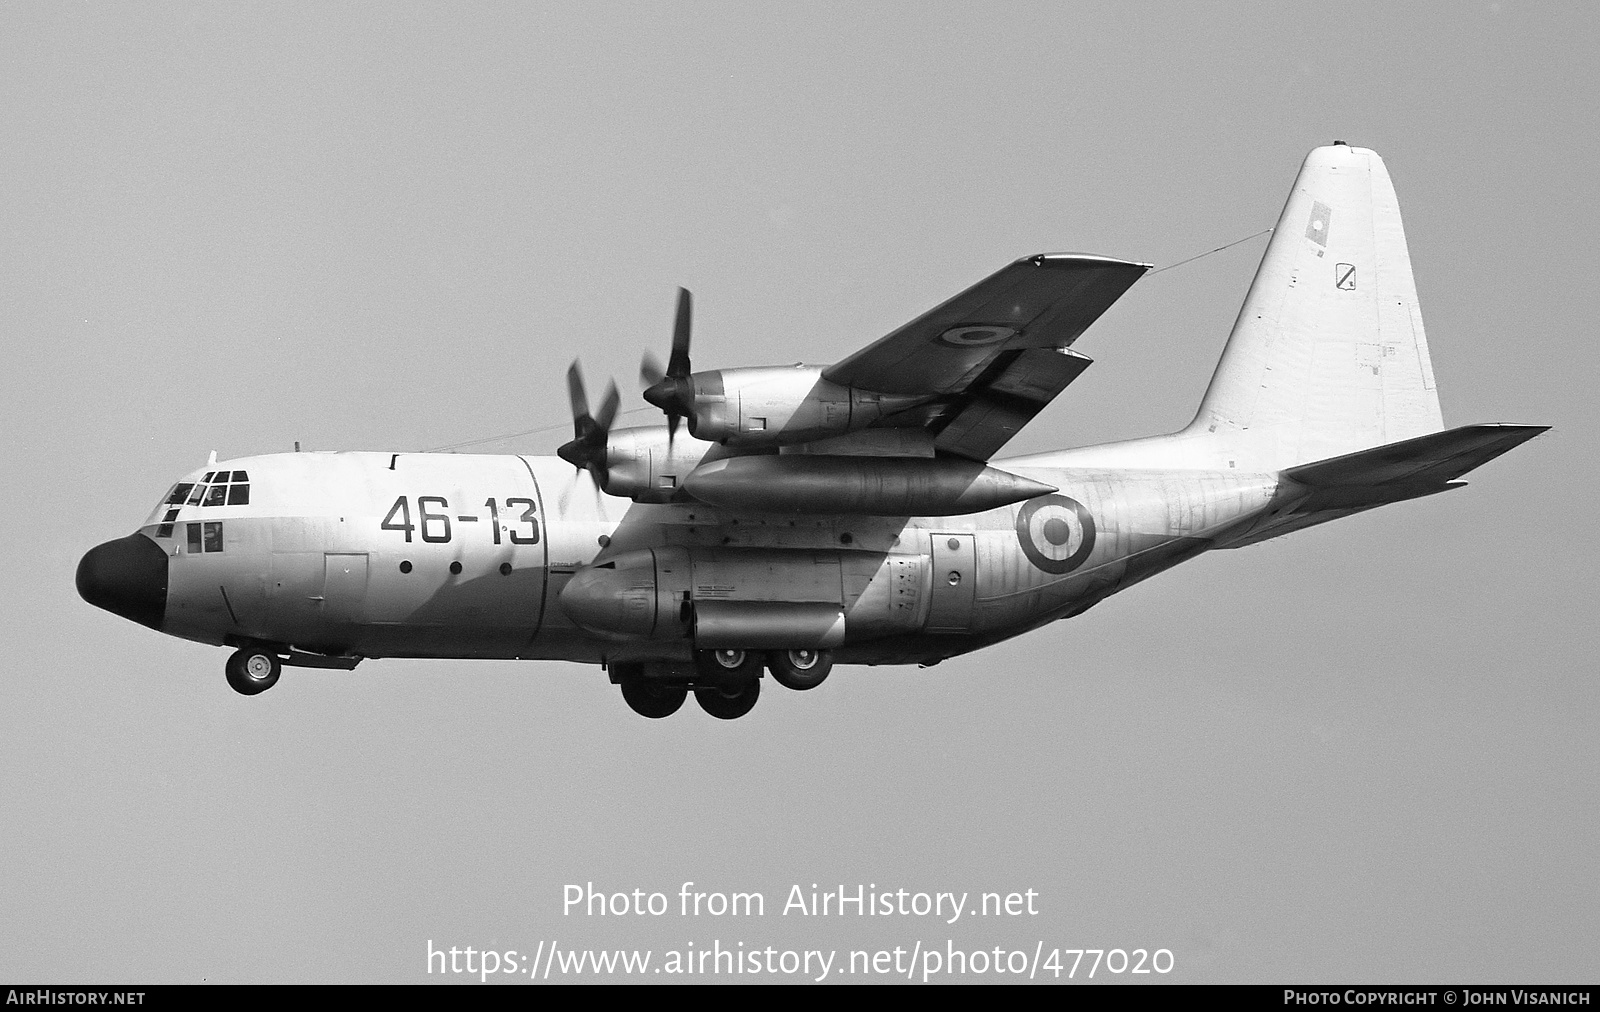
205 537
165 530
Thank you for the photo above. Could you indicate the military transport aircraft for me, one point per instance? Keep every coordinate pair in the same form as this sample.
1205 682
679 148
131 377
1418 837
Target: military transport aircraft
818 514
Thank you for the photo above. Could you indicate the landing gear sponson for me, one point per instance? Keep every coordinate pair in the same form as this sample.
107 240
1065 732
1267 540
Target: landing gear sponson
726 683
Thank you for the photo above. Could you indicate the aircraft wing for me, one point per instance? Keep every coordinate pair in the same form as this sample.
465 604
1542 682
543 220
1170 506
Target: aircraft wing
994 355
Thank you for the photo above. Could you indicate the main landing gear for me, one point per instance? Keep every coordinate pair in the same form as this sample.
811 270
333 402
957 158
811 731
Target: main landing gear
726 682
729 682
799 669
253 669
650 698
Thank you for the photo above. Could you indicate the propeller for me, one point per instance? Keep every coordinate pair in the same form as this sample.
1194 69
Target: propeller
671 390
587 448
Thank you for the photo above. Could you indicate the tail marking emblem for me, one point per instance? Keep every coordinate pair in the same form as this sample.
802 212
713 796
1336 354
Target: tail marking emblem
1317 227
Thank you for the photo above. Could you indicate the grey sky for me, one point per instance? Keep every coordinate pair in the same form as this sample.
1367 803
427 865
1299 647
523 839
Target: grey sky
1365 752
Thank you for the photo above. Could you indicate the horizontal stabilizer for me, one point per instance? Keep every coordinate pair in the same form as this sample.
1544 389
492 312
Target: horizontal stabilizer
1435 459
1324 490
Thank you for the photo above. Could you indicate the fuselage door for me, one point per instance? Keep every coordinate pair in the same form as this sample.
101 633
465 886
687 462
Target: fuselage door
954 583
344 587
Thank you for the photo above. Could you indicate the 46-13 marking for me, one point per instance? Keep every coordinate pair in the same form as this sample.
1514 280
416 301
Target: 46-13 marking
433 525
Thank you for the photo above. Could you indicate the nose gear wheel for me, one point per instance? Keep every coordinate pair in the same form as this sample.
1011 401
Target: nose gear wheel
252 670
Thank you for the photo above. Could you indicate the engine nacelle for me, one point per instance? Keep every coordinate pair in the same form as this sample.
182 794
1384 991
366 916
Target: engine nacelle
777 405
750 598
645 465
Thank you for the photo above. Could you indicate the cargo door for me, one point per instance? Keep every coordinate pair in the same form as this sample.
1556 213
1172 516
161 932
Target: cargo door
955 583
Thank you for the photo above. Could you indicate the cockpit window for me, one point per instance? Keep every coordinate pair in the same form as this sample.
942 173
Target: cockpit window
219 488
222 492
215 488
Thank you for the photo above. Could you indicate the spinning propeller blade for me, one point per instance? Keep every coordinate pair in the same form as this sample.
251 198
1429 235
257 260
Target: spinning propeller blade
672 391
650 371
587 448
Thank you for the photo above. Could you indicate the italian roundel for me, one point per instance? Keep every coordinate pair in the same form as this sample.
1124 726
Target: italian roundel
1056 533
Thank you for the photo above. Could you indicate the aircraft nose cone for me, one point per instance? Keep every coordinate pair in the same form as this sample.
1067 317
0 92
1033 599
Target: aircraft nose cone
126 577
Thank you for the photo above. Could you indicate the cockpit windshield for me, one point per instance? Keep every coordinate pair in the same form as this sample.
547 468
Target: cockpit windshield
217 488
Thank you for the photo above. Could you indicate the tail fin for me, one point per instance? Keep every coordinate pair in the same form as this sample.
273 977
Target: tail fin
1328 355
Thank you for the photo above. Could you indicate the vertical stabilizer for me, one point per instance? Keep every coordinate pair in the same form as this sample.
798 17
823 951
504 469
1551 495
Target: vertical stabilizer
1328 355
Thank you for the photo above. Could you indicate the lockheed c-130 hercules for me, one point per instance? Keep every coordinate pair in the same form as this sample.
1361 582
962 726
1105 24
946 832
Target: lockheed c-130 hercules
814 515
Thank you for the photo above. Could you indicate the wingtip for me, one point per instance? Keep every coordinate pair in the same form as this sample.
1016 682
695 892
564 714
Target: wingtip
1070 259
1522 429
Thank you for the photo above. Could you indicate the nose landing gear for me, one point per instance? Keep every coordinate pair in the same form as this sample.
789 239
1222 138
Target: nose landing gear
253 669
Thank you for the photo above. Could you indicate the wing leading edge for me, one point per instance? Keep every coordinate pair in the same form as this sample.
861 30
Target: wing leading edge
994 355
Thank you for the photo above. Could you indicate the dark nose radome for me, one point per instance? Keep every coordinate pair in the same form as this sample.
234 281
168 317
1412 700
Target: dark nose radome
127 577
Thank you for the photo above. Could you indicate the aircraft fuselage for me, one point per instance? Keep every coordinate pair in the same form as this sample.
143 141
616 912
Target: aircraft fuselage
443 555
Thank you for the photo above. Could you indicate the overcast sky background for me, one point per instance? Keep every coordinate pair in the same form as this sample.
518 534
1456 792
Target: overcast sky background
1366 752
